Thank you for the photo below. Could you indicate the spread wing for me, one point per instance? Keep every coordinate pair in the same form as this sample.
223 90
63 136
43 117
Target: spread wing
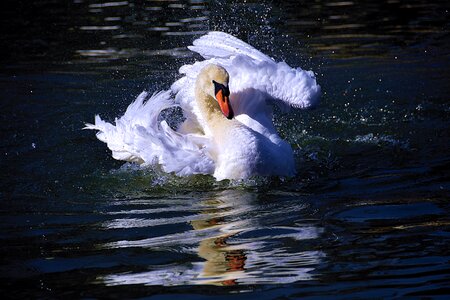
248 69
254 79
139 137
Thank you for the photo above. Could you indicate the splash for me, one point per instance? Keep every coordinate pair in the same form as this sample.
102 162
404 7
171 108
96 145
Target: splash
382 140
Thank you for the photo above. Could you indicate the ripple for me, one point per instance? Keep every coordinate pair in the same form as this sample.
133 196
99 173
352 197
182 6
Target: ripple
389 212
227 236
114 27
108 4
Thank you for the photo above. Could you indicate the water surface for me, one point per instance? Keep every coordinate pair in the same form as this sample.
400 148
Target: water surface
365 216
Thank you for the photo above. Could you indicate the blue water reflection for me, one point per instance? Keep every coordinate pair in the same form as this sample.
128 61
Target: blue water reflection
229 233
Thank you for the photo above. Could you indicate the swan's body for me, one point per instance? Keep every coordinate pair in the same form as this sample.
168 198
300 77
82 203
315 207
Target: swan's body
210 140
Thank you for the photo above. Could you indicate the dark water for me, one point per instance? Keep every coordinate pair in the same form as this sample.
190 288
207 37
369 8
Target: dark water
367 215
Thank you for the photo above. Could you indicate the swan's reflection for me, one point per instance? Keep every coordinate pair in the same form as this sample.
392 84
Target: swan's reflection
231 236
223 264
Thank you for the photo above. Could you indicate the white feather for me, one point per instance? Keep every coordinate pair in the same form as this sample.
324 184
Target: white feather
138 137
219 44
255 80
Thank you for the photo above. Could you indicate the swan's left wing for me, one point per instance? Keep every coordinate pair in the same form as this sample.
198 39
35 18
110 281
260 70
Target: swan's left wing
218 44
250 70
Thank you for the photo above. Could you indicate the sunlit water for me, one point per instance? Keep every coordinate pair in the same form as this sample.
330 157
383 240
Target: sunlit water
366 215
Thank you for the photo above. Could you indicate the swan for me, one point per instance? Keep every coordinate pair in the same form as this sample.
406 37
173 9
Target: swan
226 100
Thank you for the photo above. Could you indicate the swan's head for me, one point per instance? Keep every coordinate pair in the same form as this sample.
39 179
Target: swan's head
213 80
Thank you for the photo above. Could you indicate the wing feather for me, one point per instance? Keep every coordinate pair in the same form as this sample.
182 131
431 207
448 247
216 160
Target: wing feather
248 69
138 137
217 44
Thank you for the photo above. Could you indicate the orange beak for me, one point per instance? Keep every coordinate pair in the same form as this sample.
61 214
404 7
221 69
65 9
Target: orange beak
224 103
222 96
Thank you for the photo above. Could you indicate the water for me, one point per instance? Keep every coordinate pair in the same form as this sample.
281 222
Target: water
366 215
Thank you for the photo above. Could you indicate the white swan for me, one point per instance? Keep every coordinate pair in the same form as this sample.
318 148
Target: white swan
230 136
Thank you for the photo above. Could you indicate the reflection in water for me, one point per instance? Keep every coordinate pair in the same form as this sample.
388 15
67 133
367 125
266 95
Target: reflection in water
223 264
228 233
373 159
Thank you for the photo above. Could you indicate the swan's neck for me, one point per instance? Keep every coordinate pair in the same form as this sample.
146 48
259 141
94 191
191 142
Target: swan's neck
211 112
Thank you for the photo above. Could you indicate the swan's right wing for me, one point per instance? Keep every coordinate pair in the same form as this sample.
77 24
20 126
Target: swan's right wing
138 136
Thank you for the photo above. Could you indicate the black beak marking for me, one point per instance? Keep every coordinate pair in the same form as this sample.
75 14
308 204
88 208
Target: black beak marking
218 87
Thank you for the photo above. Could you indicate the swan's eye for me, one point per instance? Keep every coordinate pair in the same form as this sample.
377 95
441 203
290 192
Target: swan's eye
217 87
226 91
220 87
